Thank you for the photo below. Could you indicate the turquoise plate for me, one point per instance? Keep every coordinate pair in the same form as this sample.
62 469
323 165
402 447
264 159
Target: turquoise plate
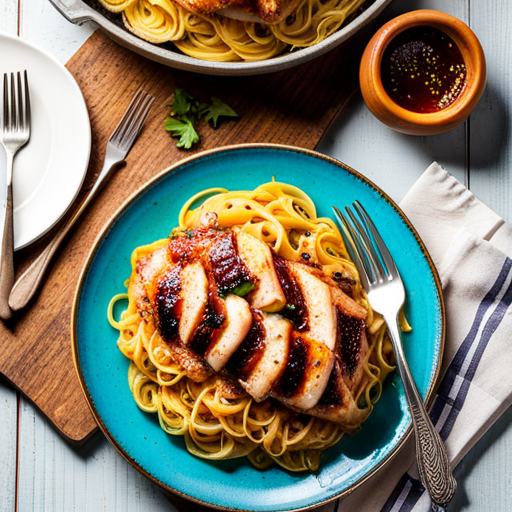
235 484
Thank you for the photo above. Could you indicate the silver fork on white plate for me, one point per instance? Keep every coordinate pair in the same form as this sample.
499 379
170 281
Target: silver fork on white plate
118 147
15 134
386 294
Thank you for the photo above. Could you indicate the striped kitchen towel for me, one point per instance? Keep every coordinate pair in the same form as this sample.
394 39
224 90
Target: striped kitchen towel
472 249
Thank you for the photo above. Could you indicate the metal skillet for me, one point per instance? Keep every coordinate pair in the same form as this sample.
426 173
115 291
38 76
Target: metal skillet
81 11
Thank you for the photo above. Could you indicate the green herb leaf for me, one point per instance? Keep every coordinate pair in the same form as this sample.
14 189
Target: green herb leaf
185 110
199 109
243 289
182 102
217 109
184 129
290 307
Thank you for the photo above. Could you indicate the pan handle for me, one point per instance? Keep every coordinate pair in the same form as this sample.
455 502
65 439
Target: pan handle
74 11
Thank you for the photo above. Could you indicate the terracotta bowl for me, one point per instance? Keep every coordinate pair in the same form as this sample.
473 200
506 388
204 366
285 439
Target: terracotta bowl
406 121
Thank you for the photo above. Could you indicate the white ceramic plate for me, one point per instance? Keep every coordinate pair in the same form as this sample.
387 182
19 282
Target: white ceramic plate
50 169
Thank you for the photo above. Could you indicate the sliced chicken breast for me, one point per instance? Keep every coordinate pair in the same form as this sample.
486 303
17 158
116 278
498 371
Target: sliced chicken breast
166 304
193 365
146 270
340 299
312 360
268 295
321 313
206 6
237 324
351 349
306 374
194 292
351 342
268 11
268 370
337 403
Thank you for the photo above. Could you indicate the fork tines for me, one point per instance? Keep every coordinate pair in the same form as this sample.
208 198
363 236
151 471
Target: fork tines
365 245
16 111
126 131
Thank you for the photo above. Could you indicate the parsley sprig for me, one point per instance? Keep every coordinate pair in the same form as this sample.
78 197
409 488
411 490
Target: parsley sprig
186 111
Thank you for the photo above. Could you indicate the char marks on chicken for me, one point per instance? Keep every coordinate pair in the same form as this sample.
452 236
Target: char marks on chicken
224 303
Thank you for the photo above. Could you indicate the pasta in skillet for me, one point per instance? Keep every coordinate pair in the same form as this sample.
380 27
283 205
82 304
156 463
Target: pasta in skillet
216 37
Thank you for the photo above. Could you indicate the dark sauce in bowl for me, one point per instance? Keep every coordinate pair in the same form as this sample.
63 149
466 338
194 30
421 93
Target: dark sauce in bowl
423 70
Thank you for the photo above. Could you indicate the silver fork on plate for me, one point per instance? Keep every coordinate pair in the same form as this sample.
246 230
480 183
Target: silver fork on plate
15 134
385 291
118 147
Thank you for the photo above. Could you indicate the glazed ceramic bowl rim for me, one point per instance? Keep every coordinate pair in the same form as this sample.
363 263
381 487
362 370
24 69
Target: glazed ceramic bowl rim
460 33
76 11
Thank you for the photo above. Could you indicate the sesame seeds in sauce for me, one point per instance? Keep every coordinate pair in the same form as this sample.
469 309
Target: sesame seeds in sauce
423 70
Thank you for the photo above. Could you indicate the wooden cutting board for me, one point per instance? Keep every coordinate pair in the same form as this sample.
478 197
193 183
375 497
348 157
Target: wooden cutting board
292 107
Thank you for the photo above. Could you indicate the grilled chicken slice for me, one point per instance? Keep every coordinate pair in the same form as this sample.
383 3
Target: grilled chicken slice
193 365
351 341
268 295
329 325
194 292
273 11
321 314
143 287
236 326
268 11
206 6
145 272
306 374
265 373
340 299
351 349
164 293
337 403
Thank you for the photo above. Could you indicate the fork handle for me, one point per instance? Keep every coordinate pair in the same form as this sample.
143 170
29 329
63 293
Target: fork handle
7 254
31 280
433 464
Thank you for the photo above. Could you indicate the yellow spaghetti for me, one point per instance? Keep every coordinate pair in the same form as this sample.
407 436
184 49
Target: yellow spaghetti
216 427
219 38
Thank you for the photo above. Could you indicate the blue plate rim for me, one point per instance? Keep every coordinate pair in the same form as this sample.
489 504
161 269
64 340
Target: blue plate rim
174 169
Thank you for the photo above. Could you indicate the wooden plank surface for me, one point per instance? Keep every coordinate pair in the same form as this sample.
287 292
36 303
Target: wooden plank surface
490 154
8 447
287 108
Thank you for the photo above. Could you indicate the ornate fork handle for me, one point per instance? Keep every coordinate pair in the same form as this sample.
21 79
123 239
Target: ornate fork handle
433 464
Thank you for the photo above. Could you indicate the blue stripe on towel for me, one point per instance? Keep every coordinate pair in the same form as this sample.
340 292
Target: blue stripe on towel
397 491
408 490
414 495
456 365
489 329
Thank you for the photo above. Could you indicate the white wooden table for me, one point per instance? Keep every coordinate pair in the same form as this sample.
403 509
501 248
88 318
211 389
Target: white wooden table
40 471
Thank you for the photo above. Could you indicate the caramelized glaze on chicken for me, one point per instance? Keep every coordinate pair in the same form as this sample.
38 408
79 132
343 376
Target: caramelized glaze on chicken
224 303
